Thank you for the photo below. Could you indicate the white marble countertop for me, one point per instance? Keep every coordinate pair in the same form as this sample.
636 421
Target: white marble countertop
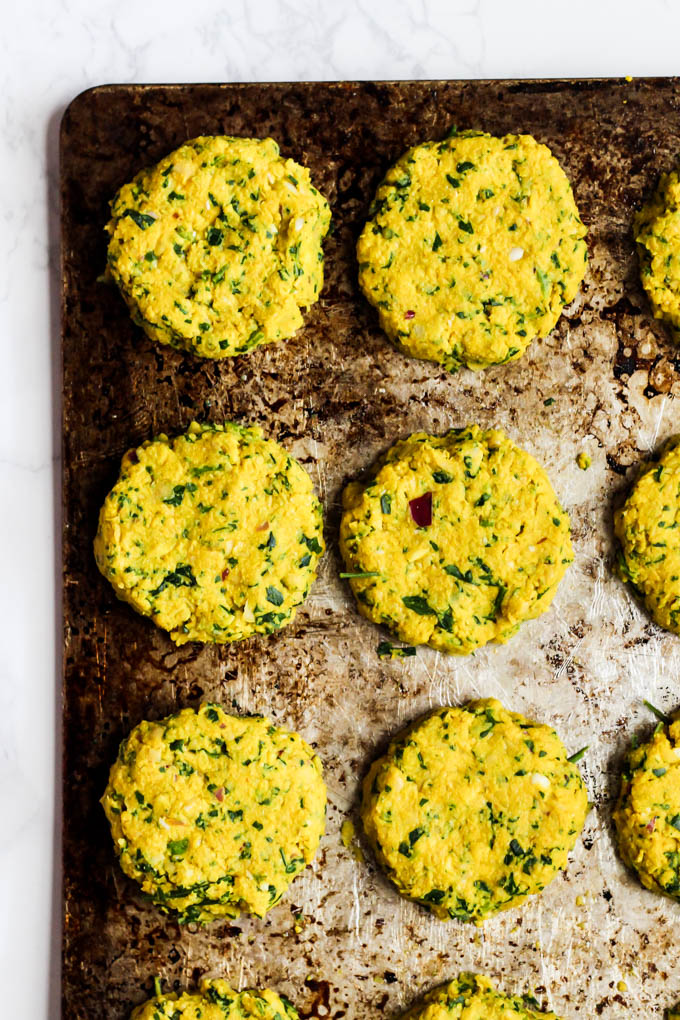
53 49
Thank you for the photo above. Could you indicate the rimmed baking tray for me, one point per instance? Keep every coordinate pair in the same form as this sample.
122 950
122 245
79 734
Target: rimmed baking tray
342 943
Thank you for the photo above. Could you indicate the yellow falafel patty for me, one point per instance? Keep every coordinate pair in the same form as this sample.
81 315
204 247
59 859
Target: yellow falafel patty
473 997
216 1000
218 247
454 540
647 528
473 809
657 233
212 813
215 535
647 815
473 246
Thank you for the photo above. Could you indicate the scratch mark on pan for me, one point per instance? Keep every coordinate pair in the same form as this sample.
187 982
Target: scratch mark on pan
319 464
597 602
434 692
657 428
564 666
355 913
423 665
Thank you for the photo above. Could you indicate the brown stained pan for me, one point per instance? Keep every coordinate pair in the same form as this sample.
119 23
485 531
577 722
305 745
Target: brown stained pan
342 943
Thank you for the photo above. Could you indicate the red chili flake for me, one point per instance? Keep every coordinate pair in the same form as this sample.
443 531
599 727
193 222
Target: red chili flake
132 457
652 825
421 510
409 315
225 573
262 527
219 793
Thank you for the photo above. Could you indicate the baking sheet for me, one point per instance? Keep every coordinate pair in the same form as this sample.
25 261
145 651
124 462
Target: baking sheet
342 942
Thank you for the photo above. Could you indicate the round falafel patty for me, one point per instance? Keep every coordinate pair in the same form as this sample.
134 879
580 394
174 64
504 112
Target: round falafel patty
214 814
647 815
216 1000
454 540
647 528
657 233
473 246
473 809
473 997
215 535
218 247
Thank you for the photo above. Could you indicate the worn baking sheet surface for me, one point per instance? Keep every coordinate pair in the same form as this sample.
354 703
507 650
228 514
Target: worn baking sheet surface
342 943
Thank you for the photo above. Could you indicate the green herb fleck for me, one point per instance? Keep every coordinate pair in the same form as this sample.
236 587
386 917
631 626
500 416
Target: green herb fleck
274 596
181 577
386 650
661 716
177 847
418 604
143 220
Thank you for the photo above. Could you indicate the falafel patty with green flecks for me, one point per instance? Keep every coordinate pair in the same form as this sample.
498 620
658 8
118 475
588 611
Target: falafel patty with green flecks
647 815
473 246
454 540
657 233
215 535
214 814
216 1000
647 528
473 997
473 809
217 248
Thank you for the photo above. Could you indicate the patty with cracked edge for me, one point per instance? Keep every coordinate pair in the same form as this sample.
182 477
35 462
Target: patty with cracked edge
647 815
454 540
473 247
215 534
217 248
472 809
214 814
647 528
